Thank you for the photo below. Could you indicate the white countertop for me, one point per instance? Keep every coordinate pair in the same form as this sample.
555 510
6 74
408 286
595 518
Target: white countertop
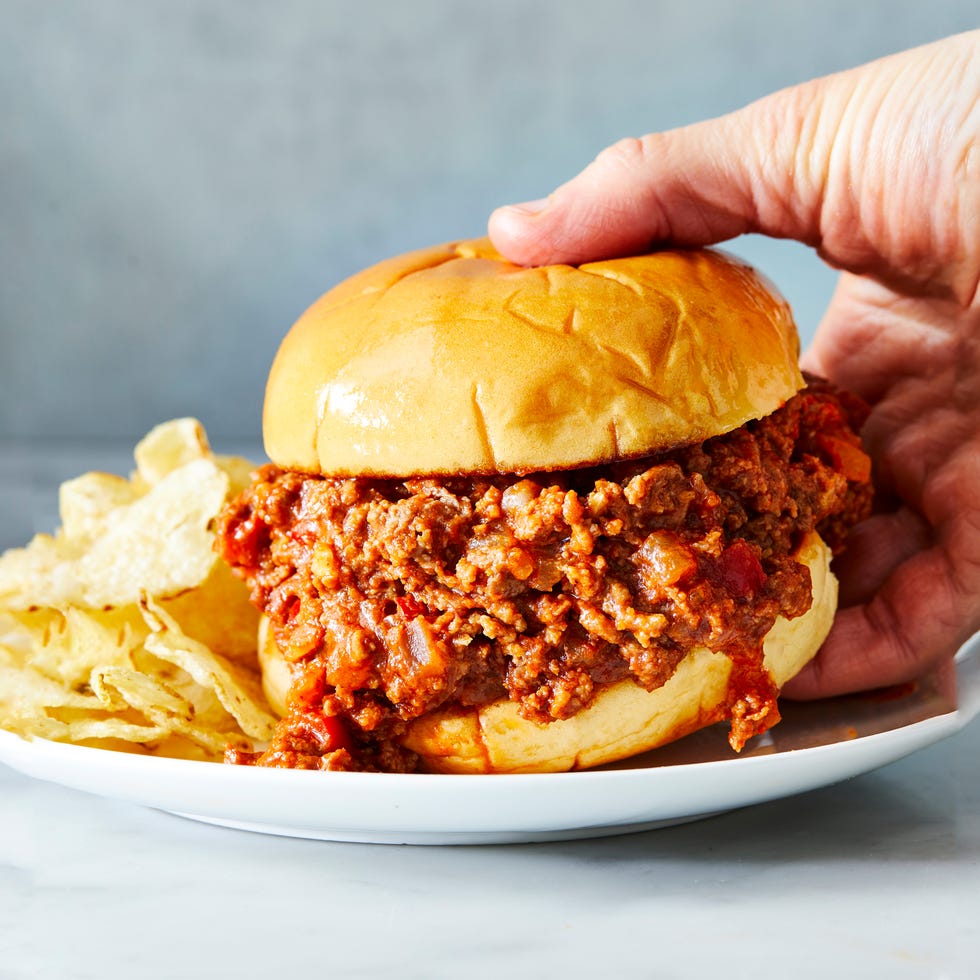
875 877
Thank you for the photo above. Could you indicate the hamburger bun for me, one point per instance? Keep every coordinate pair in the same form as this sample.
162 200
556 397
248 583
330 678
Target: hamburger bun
623 719
452 360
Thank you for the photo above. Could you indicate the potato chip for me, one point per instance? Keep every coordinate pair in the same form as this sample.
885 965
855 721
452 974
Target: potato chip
124 630
88 504
41 574
117 686
236 692
158 702
68 645
161 544
218 613
168 447
23 690
93 731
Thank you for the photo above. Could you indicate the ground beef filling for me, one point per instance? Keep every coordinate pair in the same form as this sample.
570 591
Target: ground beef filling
396 597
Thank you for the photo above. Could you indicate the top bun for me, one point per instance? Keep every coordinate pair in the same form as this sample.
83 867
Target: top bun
453 360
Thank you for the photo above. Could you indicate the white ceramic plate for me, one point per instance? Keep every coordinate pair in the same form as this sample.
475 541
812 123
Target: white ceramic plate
815 745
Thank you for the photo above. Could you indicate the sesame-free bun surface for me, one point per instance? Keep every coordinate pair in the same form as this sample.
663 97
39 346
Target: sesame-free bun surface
623 719
451 359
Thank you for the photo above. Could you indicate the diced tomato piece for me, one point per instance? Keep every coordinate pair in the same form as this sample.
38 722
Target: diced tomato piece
244 540
335 733
317 733
739 570
411 608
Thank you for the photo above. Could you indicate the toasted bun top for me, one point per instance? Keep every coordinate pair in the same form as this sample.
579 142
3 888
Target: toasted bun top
452 360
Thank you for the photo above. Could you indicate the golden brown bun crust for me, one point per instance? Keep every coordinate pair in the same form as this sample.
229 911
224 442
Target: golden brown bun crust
623 719
451 359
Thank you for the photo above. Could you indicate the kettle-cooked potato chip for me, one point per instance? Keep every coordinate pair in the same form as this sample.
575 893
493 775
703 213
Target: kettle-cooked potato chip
88 504
124 629
160 543
168 447
238 693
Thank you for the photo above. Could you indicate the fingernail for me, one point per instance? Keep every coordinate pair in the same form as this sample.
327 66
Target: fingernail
530 207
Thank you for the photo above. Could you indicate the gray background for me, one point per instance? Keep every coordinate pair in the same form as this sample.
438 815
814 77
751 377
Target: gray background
179 180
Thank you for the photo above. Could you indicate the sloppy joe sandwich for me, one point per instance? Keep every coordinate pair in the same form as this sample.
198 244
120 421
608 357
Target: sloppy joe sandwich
536 519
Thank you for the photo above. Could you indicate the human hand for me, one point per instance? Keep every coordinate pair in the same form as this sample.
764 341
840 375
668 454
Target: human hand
878 169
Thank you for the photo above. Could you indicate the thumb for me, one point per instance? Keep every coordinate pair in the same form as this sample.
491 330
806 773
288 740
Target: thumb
844 163
753 170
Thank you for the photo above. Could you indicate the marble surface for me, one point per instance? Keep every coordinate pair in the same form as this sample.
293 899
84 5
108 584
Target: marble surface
875 877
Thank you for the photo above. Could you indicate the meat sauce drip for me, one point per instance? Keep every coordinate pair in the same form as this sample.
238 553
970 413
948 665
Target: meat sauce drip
393 598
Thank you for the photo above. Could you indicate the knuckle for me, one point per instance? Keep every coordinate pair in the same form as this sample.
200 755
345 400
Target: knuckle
628 154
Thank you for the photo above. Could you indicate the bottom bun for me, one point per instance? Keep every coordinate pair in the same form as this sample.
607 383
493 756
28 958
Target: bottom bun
622 720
